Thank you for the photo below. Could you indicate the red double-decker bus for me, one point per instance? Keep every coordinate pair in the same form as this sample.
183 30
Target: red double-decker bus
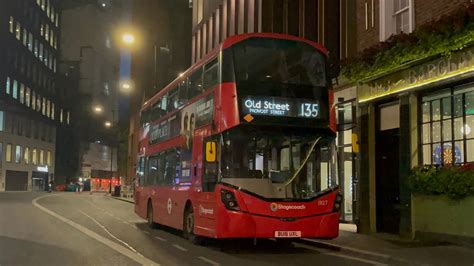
241 145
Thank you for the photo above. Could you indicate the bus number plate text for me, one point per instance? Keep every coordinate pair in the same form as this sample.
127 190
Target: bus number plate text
283 234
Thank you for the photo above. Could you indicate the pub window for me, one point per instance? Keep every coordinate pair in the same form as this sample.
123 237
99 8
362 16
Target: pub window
447 127
211 74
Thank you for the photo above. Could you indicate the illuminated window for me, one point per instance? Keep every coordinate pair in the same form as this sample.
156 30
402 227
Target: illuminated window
61 115
18 154
52 111
33 100
34 157
48 108
15 89
22 93
48 158
38 103
43 109
26 155
30 42
36 48
11 25
7 86
2 126
41 157
397 16
447 127
68 117
8 153
18 31
27 97
25 37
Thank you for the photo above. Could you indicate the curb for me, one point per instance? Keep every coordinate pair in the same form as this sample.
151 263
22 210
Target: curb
122 199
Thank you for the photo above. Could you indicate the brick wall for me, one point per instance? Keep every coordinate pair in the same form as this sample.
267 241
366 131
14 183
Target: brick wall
370 36
427 10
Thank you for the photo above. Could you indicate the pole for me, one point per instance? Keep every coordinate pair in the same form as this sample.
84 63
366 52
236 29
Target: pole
111 156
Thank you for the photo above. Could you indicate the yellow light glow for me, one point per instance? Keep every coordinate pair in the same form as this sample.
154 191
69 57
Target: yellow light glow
108 124
128 38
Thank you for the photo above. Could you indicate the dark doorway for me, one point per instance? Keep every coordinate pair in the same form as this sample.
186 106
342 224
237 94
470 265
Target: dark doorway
387 169
16 181
39 181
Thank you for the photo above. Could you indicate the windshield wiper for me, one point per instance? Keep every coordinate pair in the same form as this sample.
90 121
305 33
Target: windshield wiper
303 163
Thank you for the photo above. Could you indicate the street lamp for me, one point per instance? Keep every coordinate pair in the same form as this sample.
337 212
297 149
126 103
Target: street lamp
98 109
128 38
108 124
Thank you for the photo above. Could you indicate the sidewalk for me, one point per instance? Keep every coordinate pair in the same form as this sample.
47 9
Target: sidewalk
393 250
130 200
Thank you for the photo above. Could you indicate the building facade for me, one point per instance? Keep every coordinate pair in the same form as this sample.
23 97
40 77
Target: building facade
417 113
89 43
29 108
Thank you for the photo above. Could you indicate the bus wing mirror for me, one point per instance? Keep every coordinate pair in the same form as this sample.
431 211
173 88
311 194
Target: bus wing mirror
355 143
211 151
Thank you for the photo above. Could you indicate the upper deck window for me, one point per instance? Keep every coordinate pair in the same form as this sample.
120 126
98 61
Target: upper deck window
279 61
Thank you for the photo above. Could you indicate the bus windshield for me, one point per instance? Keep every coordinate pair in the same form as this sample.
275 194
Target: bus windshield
275 156
279 61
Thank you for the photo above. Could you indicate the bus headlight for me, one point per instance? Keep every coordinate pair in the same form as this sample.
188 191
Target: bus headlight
228 198
338 202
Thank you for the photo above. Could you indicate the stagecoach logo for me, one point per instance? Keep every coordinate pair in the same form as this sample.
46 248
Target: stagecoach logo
275 207
169 206
205 211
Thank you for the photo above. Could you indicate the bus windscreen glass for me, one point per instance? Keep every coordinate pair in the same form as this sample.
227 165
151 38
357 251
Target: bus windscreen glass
279 61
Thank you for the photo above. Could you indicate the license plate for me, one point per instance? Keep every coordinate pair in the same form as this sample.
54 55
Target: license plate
282 234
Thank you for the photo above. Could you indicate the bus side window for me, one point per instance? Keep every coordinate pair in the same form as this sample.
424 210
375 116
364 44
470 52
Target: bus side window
173 100
211 74
195 84
183 92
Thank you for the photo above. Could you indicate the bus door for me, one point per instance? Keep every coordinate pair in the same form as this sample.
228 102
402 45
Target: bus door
204 181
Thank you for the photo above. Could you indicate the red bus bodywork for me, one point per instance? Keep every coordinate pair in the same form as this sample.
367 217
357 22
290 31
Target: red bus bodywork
257 217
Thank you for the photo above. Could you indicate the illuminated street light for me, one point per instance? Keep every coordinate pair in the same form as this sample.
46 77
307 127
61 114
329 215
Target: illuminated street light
98 109
108 124
128 38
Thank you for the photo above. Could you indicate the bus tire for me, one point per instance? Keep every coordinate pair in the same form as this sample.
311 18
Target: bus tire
149 216
188 227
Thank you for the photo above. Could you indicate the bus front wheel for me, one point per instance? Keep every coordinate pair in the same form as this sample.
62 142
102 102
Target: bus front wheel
149 216
188 229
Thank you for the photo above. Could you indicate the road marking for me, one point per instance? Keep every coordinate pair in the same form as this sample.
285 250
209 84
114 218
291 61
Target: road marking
161 239
110 234
385 256
179 247
209 261
125 222
111 244
146 232
371 262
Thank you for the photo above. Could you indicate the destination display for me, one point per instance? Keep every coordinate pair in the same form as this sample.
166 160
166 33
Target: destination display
276 106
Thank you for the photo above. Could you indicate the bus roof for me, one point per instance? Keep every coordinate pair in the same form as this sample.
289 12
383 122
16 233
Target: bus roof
229 42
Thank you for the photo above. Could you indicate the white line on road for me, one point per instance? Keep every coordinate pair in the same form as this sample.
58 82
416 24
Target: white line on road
146 232
209 261
323 252
125 222
110 234
118 248
179 247
161 239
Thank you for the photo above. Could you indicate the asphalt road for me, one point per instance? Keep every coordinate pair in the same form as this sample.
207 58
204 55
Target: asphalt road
83 229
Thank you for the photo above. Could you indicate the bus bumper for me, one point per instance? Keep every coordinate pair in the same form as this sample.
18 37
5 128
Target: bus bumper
245 225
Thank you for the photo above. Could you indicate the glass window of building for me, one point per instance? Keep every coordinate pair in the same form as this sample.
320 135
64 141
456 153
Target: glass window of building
7 86
17 154
2 125
48 108
42 29
61 118
33 100
8 153
43 4
46 32
43 107
41 52
36 47
22 93
25 37
1 154
34 157
447 124
18 31
48 158
27 96
11 25
41 157
38 103
30 41
26 155
68 117
15 89
52 111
